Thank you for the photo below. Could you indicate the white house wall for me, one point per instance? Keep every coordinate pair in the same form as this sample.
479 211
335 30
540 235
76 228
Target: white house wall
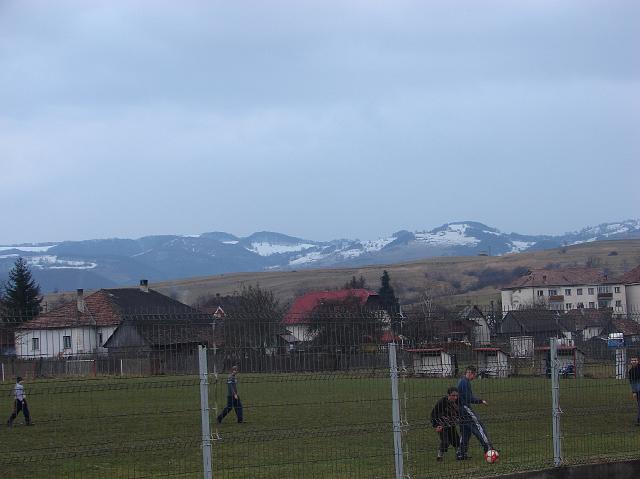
107 332
633 300
51 342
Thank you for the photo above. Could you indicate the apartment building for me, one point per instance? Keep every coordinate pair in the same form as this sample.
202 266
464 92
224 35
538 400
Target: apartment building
565 289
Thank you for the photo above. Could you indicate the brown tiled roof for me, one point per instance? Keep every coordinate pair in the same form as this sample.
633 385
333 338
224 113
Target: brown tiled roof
109 307
628 327
559 277
585 318
631 277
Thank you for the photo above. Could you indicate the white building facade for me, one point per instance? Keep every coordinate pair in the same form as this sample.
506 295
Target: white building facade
565 290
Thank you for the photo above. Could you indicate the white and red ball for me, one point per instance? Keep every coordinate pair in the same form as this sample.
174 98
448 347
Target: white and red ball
491 456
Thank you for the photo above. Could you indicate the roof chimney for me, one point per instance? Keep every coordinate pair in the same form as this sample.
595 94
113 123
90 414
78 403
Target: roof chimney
144 285
80 299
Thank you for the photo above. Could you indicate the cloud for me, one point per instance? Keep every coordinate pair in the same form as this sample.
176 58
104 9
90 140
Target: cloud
276 115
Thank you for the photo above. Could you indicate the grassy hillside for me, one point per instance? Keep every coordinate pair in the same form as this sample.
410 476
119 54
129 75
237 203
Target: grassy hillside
449 280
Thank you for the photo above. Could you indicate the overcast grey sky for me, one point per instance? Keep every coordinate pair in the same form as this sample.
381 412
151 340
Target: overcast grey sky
317 119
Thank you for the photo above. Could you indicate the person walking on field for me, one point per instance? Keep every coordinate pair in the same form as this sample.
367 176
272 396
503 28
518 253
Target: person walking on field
469 421
233 400
444 417
634 380
19 404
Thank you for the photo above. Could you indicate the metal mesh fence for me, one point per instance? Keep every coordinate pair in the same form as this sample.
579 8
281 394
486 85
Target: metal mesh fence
315 394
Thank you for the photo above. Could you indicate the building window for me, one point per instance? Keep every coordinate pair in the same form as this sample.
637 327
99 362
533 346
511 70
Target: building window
66 342
35 344
616 289
100 339
592 304
540 292
568 306
567 292
604 289
618 303
553 292
580 305
579 291
590 291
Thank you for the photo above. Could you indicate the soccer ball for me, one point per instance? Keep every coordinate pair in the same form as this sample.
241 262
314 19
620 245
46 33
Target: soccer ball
491 456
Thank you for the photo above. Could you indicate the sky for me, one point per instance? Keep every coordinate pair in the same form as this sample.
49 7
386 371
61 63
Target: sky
319 119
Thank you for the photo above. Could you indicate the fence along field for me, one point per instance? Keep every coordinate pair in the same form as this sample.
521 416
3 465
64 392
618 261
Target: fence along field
320 407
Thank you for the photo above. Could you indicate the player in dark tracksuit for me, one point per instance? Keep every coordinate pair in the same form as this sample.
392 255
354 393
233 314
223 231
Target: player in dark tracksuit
634 380
469 422
233 400
444 417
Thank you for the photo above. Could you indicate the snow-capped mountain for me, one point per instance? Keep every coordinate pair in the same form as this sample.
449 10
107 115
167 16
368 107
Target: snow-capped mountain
109 262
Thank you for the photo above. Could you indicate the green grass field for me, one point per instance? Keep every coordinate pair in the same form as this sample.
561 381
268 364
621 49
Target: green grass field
301 426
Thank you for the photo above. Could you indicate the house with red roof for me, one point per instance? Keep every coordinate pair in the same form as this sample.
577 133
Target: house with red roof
82 327
297 319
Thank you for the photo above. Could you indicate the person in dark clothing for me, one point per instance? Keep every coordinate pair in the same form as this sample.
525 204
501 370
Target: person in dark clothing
233 400
19 404
634 380
469 421
444 417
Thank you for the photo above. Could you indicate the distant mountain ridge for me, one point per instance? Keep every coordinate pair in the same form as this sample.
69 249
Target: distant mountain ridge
111 262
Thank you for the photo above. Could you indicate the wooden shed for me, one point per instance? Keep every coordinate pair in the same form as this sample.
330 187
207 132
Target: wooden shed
435 362
494 362
570 361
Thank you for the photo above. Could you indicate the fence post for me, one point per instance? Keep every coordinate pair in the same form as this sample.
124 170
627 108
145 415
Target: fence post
395 409
621 363
204 413
555 400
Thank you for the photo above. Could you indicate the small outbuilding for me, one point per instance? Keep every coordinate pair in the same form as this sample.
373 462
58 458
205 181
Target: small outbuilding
434 362
492 362
570 361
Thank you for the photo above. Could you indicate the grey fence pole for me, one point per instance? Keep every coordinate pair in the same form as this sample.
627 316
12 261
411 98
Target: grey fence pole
204 413
555 400
395 409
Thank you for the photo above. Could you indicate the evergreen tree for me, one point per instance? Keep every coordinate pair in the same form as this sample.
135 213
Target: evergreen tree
387 296
21 293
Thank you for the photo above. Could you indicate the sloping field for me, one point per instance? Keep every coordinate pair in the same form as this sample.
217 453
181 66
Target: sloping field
450 280
445 278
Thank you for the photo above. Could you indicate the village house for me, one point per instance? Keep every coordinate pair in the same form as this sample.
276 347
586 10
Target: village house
534 328
629 328
565 289
481 334
83 327
588 323
297 319
631 281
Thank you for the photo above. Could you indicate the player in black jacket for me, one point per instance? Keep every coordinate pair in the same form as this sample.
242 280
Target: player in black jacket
444 417
634 380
